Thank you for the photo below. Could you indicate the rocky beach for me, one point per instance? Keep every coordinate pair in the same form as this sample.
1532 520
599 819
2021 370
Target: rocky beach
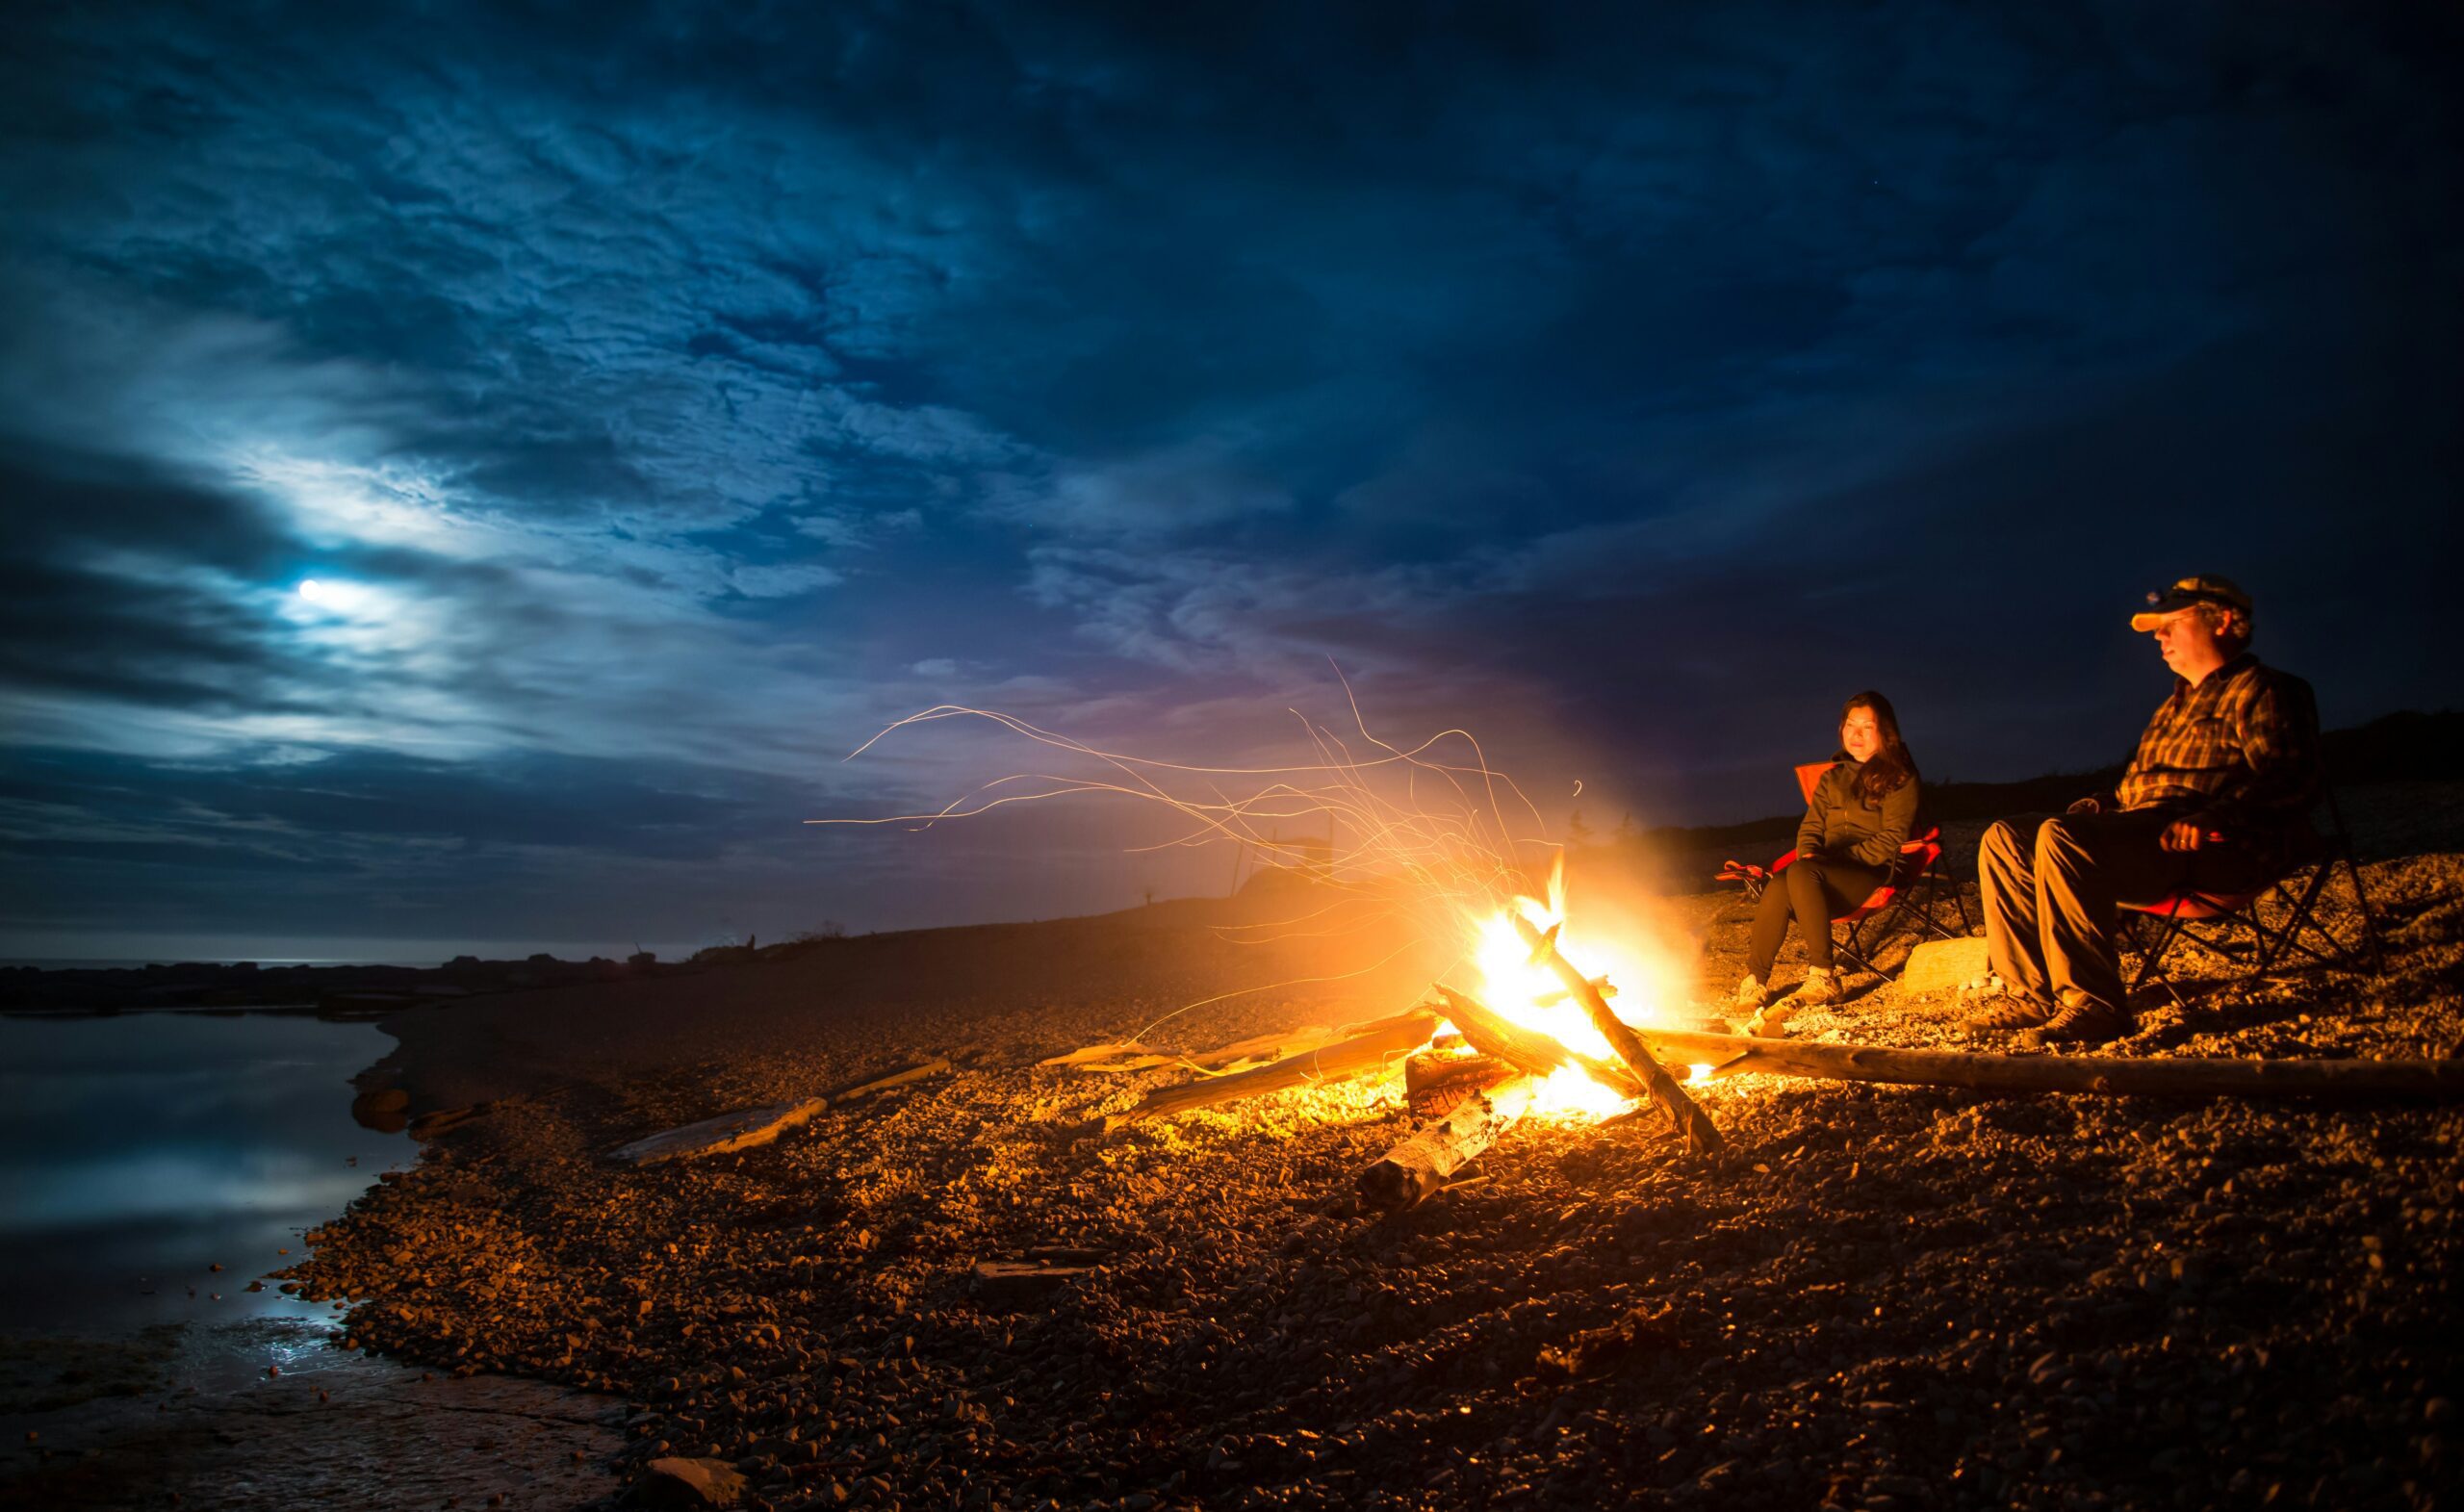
1873 1296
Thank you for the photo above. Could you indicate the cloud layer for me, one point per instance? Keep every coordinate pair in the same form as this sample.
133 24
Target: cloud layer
664 398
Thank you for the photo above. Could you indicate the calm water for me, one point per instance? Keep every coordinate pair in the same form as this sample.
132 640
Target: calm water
136 1151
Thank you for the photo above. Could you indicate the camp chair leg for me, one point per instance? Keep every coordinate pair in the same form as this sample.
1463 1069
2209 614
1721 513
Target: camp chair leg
1860 948
1959 908
1859 961
1924 897
2271 942
2303 915
2276 942
2153 956
2369 916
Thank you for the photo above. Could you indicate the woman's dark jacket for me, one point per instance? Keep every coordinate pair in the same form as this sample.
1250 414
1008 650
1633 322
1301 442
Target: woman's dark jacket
1838 825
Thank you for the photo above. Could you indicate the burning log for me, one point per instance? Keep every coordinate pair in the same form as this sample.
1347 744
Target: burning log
1436 1081
1535 1054
1371 1047
1423 1165
2441 1080
1701 1135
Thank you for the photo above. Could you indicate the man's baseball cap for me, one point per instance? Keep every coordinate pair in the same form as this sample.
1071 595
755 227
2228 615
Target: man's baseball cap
2198 588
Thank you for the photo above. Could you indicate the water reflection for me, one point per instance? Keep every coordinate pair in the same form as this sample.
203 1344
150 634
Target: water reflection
138 1151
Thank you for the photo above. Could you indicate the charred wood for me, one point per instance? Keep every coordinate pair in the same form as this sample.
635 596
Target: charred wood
1435 1081
1534 1053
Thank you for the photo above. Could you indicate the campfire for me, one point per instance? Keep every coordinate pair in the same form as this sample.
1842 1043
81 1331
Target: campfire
1537 1039
1529 1031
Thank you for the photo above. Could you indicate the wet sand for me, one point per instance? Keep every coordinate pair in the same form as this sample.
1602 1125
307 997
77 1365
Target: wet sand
335 1428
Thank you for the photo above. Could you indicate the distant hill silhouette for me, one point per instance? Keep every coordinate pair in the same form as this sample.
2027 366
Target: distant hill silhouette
2408 745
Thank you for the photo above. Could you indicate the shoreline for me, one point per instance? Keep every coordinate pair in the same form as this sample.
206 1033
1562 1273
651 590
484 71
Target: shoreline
123 1395
333 1428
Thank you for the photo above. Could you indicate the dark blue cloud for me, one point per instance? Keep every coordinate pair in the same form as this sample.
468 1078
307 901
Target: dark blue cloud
680 390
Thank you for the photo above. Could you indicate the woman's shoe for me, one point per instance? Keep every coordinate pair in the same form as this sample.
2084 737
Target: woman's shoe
1820 986
1750 993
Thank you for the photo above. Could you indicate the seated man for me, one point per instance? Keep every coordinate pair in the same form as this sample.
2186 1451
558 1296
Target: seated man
2222 779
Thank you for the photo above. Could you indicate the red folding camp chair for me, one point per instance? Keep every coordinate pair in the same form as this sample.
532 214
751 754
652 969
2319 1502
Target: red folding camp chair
1911 895
2276 921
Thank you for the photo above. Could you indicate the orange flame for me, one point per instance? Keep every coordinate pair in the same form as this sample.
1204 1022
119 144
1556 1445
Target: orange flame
1519 987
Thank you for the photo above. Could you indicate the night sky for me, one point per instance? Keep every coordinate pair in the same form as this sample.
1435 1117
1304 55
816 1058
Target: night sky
665 398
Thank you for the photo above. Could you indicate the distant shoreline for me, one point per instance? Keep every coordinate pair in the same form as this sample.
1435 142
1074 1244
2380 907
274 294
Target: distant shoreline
2406 746
340 989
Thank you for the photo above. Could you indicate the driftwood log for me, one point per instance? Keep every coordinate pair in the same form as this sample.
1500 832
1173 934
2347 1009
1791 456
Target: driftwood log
1129 1055
1423 1165
1367 1047
1701 1135
1528 1050
750 1127
1012 1283
2440 1080
1125 1055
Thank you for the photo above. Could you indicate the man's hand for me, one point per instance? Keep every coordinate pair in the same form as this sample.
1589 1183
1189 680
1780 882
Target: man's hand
2086 806
2189 834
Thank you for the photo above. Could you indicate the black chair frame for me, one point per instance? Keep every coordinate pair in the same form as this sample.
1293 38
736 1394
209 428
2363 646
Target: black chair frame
1916 903
2232 928
1916 897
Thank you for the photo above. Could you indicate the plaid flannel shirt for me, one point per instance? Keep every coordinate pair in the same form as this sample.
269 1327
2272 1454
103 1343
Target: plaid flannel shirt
2239 749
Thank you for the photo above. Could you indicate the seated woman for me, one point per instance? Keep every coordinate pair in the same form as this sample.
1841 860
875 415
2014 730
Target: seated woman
1860 816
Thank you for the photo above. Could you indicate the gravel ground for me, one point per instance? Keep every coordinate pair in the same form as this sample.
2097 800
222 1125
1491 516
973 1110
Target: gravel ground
1874 1297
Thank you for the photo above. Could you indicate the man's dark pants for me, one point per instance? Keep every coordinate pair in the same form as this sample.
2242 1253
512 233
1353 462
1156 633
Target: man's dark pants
2052 883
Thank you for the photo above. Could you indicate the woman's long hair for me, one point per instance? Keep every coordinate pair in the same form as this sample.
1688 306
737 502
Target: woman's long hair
1892 767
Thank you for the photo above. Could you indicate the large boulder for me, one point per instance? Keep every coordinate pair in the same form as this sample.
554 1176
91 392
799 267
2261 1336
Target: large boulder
1939 966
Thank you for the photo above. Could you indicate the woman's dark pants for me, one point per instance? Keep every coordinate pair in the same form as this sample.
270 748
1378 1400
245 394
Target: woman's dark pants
1815 892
